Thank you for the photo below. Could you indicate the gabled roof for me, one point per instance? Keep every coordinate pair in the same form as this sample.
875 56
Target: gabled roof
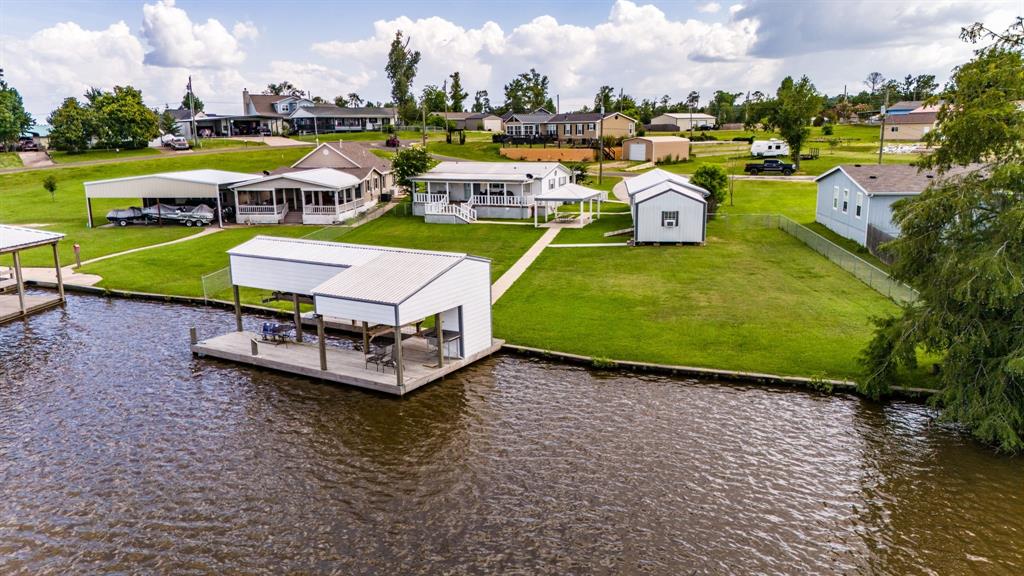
332 111
660 138
688 190
906 105
481 116
454 115
892 179
569 117
695 115
13 238
569 193
529 117
488 171
201 176
928 118
326 178
263 104
657 176
351 155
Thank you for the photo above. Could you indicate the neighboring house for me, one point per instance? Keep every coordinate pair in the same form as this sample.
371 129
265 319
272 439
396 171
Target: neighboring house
903 107
483 121
284 113
334 182
527 124
208 125
667 208
685 120
655 148
855 200
910 126
461 192
589 126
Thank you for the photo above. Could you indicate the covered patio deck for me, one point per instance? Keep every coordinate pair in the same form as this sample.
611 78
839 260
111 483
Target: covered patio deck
569 194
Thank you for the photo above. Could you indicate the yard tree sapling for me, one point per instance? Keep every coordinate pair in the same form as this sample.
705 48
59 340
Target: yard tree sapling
50 185
712 178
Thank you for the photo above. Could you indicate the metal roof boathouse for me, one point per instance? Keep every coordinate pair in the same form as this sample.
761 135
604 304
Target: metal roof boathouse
390 294
14 240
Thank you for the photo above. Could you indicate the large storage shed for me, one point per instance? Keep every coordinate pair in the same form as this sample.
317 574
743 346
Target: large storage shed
655 148
206 184
667 208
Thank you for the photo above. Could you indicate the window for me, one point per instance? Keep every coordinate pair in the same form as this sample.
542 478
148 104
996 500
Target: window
860 204
591 126
835 197
551 184
561 181
669 219
579 129
568 129
894 129
552 129
359 191
846 200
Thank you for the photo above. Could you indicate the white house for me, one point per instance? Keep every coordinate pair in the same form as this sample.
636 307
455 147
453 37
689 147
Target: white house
313 196
461 192
855 200
388 292
685 120
667 208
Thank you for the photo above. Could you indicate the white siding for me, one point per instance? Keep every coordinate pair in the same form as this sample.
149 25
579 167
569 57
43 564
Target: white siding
280 275
690 228
830 213
468 285
150 187
353 310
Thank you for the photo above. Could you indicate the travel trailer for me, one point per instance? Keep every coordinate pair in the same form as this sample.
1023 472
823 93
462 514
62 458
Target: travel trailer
769 148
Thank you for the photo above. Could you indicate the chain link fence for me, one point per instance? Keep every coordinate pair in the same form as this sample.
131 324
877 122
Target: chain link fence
863 270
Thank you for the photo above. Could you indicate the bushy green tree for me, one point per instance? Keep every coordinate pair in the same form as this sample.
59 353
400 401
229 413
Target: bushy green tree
527 92
123 120
409 162
481 101
433 99
194 100
796 102
168 125
712 178
50 185
401 70
72 127
456 94
962 247
14 120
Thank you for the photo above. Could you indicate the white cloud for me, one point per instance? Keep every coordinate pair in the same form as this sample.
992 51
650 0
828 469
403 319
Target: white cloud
735 8
245 31
177 41
709 8
325 82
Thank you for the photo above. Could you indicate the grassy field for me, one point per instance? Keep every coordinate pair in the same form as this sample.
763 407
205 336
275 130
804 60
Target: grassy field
59 157
480 151
751 299
218 143
828 158
23 200
373 136
9 160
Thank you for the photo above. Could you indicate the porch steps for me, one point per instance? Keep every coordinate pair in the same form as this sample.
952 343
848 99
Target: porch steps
292 217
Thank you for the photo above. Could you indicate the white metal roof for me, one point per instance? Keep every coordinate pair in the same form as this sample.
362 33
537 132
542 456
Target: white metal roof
660 138
569 193
13 238
648 179
202 176
495 171
377 274
695 115
204 183
322 178
668 186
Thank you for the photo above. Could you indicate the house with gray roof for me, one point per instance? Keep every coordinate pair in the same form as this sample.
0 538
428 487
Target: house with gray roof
285 113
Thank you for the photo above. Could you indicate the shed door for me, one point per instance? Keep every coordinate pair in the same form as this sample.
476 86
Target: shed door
637 152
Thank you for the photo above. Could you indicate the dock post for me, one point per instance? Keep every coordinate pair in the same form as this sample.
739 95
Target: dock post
298 318
238 308
20 282
255 347
321 341
439 331
398 355
366 338
56 267
192 336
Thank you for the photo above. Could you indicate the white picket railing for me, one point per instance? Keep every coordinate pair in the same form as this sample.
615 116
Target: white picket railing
446 209
244 209
485 200
330 209
429 198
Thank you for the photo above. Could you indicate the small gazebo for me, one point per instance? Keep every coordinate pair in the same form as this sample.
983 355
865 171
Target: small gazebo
570 193
14 240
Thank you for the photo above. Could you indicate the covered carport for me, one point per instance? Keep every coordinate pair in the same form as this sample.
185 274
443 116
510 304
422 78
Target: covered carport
190 184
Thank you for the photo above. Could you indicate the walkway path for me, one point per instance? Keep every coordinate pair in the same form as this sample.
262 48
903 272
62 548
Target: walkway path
37 159
512 274
619 190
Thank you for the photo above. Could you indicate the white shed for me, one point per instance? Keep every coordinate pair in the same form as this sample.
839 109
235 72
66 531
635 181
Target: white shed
390 292
667 208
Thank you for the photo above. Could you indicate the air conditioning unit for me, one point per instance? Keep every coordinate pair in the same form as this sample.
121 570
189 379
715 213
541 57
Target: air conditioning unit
670 223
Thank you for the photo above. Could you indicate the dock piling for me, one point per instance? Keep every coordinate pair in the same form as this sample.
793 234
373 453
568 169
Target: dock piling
255 347
192 336
321 341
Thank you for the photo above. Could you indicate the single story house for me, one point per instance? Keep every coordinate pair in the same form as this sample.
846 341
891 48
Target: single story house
910 126
655 148
684 121
386 293
284 113
527 124
460 192
855 200
187 187
309 196
903 107
589 126
355 159
667 208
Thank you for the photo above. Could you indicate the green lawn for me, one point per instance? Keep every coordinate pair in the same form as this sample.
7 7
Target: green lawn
481 151
23 200
828 159
752 299
217 143
59 157
404 135
9 160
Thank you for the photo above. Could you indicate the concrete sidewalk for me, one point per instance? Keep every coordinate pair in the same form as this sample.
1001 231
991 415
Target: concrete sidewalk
502 285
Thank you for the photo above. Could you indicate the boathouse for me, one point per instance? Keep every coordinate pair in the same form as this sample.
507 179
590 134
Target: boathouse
14 240
420 314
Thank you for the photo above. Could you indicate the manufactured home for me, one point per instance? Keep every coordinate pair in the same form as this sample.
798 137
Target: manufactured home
385 296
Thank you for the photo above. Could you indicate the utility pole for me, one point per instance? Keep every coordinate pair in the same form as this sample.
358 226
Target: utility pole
316 132
600 148
192 113
423 106
881 140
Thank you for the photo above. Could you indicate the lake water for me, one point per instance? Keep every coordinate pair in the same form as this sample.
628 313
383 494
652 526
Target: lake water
120 452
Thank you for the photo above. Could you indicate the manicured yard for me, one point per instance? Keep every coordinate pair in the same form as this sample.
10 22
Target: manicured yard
481 151
9 160
23 200
217 143
64 158
827 159
751 299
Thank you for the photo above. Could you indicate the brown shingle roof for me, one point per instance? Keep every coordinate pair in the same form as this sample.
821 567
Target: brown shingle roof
913 118
264 104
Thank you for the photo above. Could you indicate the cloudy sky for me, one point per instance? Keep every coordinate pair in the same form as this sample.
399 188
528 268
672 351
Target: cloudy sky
50 50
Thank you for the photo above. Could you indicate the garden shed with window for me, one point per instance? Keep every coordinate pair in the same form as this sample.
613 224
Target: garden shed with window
667 208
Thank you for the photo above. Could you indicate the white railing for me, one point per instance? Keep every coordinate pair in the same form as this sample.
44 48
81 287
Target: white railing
279 209
330 209
485 200
446 209
429 198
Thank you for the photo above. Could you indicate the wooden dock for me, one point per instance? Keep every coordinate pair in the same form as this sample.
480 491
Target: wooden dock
10 308
344 366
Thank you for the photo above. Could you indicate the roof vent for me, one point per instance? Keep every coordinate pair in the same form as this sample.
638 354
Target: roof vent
530 176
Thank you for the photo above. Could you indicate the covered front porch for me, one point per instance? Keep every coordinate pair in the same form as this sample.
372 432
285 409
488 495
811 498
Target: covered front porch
310 197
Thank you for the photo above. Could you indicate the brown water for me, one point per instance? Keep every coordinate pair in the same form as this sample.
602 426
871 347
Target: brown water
119 452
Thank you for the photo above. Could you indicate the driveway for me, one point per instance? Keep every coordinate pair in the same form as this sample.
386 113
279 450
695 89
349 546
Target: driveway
35 159
275 141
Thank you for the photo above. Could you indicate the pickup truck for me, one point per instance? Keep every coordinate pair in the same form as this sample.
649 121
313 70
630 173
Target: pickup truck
755 168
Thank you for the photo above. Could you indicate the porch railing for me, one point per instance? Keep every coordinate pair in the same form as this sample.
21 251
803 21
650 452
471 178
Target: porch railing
444 208
245 209
330 209
515 201
429 198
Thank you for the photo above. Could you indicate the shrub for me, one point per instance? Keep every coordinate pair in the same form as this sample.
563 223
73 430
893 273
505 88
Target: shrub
712 178
827 130
50 185
818 121
641 132
747 139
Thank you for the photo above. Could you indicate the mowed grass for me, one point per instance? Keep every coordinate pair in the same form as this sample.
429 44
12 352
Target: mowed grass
10 160
752 299
219 143
59 157
24 201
